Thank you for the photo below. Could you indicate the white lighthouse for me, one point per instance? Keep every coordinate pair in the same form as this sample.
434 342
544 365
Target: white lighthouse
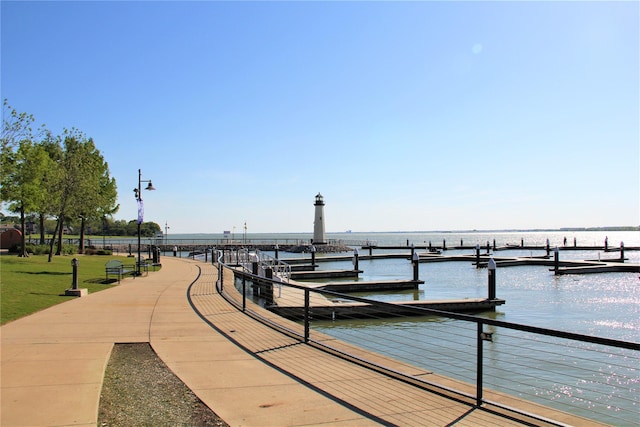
318 222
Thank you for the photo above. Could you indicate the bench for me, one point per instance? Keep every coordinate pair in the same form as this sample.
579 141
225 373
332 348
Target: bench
154 265
115 267
142 264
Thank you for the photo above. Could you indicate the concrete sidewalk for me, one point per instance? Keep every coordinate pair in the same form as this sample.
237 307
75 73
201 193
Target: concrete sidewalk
53 362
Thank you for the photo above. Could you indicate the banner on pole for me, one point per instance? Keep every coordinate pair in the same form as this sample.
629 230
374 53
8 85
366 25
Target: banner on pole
140 212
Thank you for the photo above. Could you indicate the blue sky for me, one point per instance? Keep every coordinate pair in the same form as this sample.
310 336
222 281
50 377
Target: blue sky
404 115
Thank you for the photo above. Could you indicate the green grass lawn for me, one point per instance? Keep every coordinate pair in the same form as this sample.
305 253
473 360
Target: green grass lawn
32 284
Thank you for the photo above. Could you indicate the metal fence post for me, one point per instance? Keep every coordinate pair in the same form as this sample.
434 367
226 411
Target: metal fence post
244 294
479 372
306 315
221 276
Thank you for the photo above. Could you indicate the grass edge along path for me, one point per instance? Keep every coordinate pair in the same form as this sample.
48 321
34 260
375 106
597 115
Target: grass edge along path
28 285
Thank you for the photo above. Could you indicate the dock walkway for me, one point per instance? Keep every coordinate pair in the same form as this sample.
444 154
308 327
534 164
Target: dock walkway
53 363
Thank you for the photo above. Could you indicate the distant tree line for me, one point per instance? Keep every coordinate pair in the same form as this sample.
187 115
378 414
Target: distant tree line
95 227
44 176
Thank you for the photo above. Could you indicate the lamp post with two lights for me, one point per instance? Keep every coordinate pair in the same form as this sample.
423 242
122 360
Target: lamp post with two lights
138 195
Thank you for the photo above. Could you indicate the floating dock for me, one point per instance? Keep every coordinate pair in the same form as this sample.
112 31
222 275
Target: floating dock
389 285
357 310
323 274
600 268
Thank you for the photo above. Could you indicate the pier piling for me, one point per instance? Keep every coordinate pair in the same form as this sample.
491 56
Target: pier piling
355 260
492 279
415 260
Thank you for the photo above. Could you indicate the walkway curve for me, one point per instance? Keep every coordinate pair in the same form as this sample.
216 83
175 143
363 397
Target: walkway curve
52 362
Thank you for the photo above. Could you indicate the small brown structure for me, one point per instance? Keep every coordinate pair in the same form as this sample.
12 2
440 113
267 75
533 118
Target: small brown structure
9 238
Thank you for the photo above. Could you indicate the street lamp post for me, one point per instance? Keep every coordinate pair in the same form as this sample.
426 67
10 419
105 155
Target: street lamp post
138 195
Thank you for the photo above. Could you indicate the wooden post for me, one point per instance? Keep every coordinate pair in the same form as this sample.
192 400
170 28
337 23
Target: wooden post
355 260
313 258
276 249
491 268
444 245
477 256
548 248
556 260
415 258
621 251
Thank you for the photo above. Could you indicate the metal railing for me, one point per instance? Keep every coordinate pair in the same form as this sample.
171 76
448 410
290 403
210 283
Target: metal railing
257 263
501 364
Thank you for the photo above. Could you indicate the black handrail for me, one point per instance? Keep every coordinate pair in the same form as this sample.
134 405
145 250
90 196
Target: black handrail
481 336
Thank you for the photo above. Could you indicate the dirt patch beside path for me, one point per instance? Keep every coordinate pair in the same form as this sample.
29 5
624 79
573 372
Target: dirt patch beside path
139 389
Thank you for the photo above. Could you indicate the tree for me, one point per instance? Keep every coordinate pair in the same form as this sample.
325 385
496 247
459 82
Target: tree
61 176
149 229
22 186
53 181
16 127
23 164
85 188
95 196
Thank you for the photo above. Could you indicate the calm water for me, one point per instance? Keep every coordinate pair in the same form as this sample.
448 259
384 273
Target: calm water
596 304
606 305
